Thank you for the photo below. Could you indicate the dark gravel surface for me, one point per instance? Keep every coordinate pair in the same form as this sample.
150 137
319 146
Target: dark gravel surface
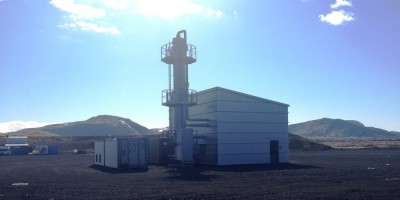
334 174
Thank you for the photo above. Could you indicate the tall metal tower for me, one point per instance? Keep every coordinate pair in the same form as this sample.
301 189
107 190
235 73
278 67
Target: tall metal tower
178 97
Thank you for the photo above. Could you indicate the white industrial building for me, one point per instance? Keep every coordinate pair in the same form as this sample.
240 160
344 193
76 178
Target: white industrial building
18 145
232 128
17 141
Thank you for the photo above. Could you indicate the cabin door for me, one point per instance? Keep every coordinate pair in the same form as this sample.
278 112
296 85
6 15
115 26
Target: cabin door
274 151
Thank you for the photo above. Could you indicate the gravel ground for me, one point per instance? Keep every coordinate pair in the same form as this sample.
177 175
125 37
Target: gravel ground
334 174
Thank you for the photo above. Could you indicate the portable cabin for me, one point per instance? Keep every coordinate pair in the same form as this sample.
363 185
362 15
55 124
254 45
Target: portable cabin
46 149
18 145
122 153
233 128
20 150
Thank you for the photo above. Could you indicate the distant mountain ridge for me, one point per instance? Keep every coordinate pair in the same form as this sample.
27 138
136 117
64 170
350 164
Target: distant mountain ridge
338 128
105 125
102 125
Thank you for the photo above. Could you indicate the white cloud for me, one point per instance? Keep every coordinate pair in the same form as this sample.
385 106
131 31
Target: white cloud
90 15
337 17
212 12
218 13
78 11
12 126
340 3
86 26
116 4
87 18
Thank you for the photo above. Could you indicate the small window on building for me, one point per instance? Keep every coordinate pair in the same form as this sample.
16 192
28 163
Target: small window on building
96 157
99 158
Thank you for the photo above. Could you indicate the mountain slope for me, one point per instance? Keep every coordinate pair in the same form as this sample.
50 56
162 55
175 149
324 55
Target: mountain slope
102 125
337 128
299 143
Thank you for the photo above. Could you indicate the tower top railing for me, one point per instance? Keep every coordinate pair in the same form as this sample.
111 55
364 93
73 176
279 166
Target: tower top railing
170 98
168 57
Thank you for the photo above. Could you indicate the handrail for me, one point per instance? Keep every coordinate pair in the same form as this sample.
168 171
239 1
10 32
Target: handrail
166 55
169 97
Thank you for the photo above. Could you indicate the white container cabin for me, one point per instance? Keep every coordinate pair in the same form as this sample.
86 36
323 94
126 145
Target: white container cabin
122 153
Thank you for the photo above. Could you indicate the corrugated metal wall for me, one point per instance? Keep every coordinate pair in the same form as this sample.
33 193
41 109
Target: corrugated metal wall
111 153
122 153
205 139
133 153
16 141
52 150
20 150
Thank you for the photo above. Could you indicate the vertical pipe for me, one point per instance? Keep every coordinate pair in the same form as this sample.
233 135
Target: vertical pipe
169 77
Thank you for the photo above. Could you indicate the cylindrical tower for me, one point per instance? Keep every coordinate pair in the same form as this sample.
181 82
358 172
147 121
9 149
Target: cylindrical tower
179 54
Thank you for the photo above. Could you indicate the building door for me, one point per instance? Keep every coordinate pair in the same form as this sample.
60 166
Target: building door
274 151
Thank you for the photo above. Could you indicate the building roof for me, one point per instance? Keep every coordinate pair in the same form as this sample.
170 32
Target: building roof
17 141
17 145
242 94
20 137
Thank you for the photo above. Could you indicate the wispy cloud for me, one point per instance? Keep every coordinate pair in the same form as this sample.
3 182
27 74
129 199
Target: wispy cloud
94 16
211 12
116 4
340 3
78 11
337 17
12 126
85 17
86 26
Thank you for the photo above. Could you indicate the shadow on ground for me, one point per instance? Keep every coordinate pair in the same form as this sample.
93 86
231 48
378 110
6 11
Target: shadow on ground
257 167
117 171
189 174
204 172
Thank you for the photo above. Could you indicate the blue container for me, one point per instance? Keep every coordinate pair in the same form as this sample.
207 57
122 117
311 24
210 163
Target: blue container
20 150
52 150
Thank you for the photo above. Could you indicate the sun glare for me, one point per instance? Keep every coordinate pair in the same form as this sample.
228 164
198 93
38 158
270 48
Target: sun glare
168 9
173 9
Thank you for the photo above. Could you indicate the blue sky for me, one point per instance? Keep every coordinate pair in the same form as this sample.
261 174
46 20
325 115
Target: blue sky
69 60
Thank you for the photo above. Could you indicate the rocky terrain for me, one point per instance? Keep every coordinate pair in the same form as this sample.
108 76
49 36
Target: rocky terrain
333 174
